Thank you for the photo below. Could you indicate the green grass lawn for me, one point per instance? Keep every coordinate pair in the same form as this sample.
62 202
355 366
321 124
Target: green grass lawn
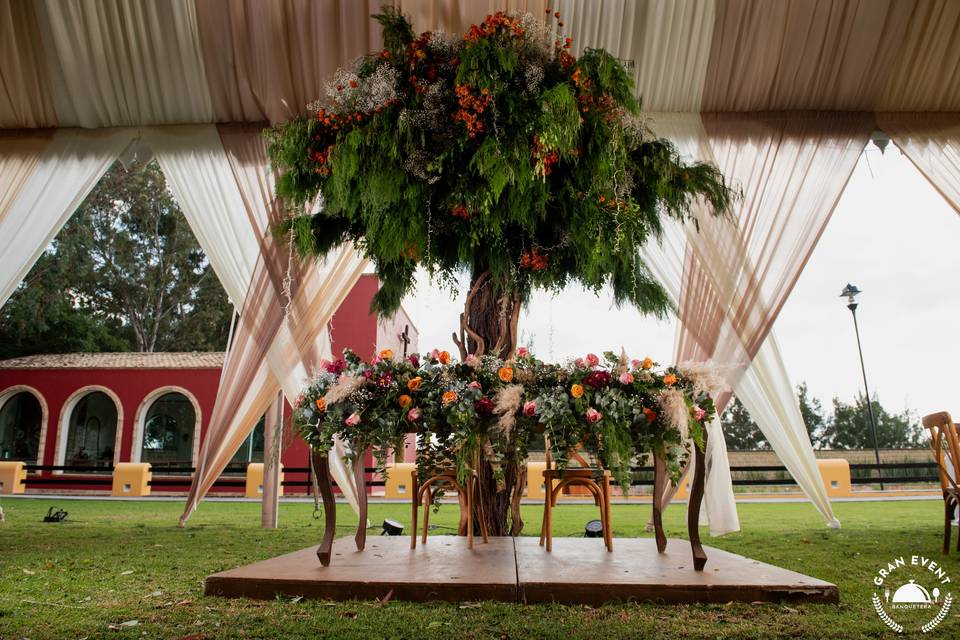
113 562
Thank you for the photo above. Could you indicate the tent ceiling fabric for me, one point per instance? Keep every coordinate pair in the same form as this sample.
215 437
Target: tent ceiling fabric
202 61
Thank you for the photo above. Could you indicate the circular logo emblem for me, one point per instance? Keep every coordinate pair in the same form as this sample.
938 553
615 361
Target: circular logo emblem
912 593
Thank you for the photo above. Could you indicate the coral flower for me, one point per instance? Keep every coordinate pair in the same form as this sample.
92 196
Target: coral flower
475 385
669 379
698 413
522 352
353 420
321 404
444 357
626 378
593 415
505 374
414 414
530 409
414 383
649 414
449 397
404 401
387 354
646 364
592 360
576 391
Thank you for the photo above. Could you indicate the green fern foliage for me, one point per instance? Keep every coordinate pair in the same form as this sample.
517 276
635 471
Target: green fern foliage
494 150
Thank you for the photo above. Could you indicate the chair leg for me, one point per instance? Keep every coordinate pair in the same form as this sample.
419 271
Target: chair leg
547 487
549 521
427 499
414 500
947 524
608 526
956 505
469 492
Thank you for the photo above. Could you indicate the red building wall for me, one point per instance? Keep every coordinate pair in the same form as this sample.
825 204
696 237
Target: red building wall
353 327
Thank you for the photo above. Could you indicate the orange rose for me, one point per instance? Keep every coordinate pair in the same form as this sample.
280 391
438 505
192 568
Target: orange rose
646 364
505 373
669 379
321 404
449 397
414 383
576 391
387 354
404 401
444 357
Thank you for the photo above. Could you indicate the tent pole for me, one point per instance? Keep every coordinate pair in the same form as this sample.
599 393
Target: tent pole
272 438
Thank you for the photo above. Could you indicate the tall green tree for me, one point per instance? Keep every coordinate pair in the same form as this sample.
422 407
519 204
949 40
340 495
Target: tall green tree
813 416
125 273
740 432
850 427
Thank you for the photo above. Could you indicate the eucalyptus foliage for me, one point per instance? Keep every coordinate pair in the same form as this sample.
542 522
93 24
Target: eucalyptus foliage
493 151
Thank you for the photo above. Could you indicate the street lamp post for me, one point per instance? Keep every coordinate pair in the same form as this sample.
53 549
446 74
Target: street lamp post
850 293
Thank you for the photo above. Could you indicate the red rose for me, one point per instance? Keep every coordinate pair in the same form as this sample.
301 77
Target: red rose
484 406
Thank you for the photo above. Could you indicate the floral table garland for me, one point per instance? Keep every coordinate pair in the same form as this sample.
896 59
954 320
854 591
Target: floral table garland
487 407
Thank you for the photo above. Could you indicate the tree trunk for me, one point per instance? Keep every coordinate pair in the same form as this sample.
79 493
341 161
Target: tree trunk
488 326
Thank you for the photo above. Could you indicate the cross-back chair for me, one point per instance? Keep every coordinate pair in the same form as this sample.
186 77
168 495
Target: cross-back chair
945 443
556 480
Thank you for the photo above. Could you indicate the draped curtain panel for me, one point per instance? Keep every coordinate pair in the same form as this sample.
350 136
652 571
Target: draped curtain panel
51 178
25 99
117 64
228 181
932 143
738 272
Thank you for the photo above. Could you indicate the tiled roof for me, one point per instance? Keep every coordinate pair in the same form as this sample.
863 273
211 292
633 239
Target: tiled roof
131 360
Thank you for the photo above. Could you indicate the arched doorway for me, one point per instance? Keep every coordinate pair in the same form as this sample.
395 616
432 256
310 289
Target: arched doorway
91 431
21 417
169 426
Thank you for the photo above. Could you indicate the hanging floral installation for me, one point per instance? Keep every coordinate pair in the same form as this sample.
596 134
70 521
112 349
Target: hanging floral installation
489 409
500 154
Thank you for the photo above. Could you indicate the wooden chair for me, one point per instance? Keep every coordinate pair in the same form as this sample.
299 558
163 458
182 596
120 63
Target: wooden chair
556 480
423 494
946 451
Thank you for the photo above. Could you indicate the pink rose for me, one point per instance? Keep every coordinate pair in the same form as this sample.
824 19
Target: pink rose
592 360
579 362
471 360
635 363
522 352
530 408
353 420
699 413
414 414
376 360
593 415
474 385
626 378
435 354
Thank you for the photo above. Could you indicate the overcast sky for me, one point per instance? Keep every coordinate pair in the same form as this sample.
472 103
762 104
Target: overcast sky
892 235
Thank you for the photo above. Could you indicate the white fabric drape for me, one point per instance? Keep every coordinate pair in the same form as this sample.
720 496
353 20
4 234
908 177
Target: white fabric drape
68 168
667 41
932 143
666 261
230 232
124 63
791 178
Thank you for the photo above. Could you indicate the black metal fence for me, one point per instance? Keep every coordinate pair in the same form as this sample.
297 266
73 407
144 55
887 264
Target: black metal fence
67 477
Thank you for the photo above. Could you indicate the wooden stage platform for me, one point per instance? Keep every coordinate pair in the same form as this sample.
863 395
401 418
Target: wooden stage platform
579 571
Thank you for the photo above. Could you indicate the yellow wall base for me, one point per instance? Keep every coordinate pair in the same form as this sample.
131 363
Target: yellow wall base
12 477
132 479
254 488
